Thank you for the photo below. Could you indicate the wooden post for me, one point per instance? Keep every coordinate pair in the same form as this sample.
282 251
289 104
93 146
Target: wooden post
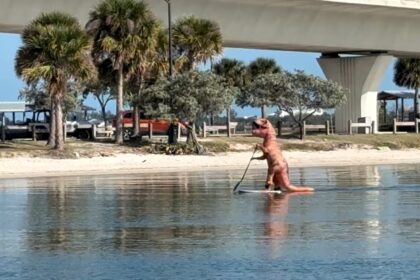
204 130
402 109
349 128
3 127
385 112
179 130
327 127
417 122
33 132
332 124
228 122
93 132
150 130
373 127
64 132
279 124
304 129
395 126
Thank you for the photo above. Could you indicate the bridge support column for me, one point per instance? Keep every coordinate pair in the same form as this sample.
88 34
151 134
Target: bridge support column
361 75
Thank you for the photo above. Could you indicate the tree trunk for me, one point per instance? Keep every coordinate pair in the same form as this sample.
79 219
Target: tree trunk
300 124
51 138
136 110
191 63
192 140
136 123
416 103
228 121
301 130
263 113
189 133
119 139
59 139
103 110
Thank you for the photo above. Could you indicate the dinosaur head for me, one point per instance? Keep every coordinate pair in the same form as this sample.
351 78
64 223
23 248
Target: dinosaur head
262 128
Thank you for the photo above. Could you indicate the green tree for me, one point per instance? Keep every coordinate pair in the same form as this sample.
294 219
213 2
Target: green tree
194 95
261 66
103 88
407 74
55 51
304 94
37 96
156 99
143 61
41 100
153 82
159 60
189 97
196 40
233 72
253 98
117 28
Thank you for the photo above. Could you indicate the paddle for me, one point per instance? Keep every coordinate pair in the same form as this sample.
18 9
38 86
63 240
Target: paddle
243 176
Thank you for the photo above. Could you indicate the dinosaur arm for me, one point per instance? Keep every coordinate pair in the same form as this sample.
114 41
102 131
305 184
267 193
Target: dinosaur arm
262 148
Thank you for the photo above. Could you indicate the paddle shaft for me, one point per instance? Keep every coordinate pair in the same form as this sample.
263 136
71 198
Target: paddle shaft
243 176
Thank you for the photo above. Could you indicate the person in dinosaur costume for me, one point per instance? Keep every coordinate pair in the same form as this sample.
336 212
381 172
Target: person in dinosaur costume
278 169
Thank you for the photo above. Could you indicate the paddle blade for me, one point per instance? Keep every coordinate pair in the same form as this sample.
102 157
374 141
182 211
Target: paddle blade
236 186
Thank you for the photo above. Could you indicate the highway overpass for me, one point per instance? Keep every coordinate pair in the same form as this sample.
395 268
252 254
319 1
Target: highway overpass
374 30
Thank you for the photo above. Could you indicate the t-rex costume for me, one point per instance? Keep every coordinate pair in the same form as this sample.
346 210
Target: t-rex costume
278 169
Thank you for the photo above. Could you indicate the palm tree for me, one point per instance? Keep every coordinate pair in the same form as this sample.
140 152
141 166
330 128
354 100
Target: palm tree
407 74
55 51
196 40
143 60
159 60
102 88
262 66
117 27
233 71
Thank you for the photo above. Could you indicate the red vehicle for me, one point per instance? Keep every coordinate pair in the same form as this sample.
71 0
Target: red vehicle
159 126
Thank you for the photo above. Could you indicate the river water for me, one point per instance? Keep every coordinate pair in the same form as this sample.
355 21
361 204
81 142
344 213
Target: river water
363 222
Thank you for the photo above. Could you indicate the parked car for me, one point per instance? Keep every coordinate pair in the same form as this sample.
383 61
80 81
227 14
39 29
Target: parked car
79 129
159 126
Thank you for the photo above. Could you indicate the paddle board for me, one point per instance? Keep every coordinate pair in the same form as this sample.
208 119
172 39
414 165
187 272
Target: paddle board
260 191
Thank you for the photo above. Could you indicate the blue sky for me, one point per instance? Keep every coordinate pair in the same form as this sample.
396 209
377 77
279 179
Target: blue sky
10 84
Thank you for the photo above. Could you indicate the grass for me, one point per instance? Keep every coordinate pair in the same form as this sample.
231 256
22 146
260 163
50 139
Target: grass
332 142
76 149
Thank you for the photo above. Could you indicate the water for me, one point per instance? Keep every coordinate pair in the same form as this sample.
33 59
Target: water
362 223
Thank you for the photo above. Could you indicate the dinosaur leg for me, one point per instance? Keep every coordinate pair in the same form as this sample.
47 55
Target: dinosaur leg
269 181
282 180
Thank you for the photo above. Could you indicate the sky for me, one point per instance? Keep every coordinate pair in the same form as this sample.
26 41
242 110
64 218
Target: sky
10 85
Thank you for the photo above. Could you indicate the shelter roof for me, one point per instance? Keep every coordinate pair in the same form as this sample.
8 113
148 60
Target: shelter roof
395 94
12 106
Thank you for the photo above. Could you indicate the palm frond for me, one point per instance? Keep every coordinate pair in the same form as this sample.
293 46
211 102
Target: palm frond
197 39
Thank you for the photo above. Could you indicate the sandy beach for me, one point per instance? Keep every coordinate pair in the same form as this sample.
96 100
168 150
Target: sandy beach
20 167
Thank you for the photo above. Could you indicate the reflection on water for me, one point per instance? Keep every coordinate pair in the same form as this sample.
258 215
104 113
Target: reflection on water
362 221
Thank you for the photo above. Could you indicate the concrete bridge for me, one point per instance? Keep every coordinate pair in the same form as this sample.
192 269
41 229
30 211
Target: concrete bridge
357 38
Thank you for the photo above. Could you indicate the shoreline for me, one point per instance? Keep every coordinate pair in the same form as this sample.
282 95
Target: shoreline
24 167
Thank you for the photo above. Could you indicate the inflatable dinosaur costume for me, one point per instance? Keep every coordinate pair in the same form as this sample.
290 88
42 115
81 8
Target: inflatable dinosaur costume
278 169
